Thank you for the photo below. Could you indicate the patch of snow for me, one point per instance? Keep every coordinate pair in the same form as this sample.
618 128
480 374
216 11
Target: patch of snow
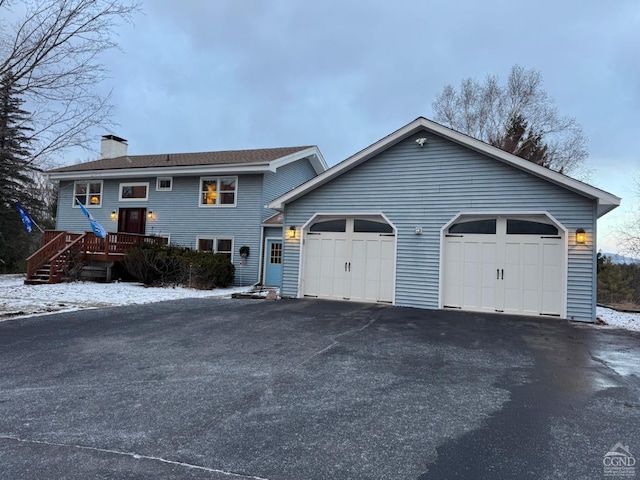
613 318
19 300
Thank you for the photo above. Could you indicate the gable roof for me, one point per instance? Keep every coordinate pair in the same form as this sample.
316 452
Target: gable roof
230 161
606 201
277 219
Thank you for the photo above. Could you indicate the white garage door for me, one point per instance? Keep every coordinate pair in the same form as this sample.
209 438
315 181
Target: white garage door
509 265
349 259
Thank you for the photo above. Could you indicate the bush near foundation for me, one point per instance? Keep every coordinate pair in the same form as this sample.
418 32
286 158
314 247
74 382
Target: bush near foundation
156 265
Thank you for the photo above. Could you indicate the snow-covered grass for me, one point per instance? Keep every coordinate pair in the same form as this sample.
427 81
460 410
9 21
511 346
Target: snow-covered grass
17 299
613 318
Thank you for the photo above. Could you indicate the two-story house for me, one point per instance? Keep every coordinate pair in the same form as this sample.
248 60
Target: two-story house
207 201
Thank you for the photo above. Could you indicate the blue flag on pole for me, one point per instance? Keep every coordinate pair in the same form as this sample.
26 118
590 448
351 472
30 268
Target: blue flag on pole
95 226
26 218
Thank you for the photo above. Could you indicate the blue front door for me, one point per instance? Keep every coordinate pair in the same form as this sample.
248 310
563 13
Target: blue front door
273 269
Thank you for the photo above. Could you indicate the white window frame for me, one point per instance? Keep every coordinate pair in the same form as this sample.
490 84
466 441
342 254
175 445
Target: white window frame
159 188
165 235
215 243
86 203
133 184
218 196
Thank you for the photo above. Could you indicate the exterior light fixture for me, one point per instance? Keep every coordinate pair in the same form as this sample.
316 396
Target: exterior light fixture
114 215
581 236
292 232
150 215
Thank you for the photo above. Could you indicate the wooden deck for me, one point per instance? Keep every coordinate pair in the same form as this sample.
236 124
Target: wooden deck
59 248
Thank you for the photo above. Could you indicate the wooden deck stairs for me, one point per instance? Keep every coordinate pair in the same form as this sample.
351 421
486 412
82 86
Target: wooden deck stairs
63 254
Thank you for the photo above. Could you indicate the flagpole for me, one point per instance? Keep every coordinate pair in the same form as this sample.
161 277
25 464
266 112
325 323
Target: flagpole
41 230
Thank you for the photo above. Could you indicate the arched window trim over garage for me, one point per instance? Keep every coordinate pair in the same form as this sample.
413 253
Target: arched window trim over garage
536 216
367 216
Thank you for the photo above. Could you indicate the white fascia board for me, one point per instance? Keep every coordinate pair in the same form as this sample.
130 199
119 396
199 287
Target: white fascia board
315 157
161 171
342 167
606 201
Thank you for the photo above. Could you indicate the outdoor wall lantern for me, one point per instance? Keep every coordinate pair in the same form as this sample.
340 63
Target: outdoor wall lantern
581 236
114 215
292 232
150 215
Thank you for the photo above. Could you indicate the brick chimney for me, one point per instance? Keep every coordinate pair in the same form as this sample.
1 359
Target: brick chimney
112 147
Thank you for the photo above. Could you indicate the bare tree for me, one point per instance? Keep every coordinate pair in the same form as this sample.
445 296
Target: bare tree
487 111
628 232
52 51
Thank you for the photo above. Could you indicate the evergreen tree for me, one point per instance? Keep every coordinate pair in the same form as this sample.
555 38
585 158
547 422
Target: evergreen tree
521 140
15 180
518 112
614 283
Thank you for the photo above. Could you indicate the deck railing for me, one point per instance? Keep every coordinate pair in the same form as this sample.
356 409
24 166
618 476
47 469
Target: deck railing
56 245
59 263
48 250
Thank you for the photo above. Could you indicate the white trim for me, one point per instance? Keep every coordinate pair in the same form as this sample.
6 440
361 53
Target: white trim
205 170
313 154
336 215
160 189
218 192
133 184
265 257
164 235
507 213
503 213
215 239
85 203
606 201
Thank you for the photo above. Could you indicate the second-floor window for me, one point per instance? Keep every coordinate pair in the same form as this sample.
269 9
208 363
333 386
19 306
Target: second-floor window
89 193
217 191
164 184
134 191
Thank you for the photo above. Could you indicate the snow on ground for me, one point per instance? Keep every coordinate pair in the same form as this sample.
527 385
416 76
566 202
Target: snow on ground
613 318
18 299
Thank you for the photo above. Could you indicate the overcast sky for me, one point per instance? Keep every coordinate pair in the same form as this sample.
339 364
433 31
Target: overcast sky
198 75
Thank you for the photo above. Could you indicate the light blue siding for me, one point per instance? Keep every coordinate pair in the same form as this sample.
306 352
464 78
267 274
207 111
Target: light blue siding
285 179
177 212
427 187
272 232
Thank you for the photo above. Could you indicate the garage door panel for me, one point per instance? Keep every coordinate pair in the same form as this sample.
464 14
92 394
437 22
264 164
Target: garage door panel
339 280
521 273
553 253
313 263
452 273
351 265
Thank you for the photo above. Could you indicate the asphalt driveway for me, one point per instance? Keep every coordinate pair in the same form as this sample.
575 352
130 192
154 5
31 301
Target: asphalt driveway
249 389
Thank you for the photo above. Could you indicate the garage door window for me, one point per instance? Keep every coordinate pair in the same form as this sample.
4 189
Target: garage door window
368 226
486 227
330 226
524 227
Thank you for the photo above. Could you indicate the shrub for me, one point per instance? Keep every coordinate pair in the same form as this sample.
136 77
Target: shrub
209 270
169 265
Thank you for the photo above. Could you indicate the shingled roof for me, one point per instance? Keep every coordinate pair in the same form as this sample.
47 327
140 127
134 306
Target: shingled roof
229 157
